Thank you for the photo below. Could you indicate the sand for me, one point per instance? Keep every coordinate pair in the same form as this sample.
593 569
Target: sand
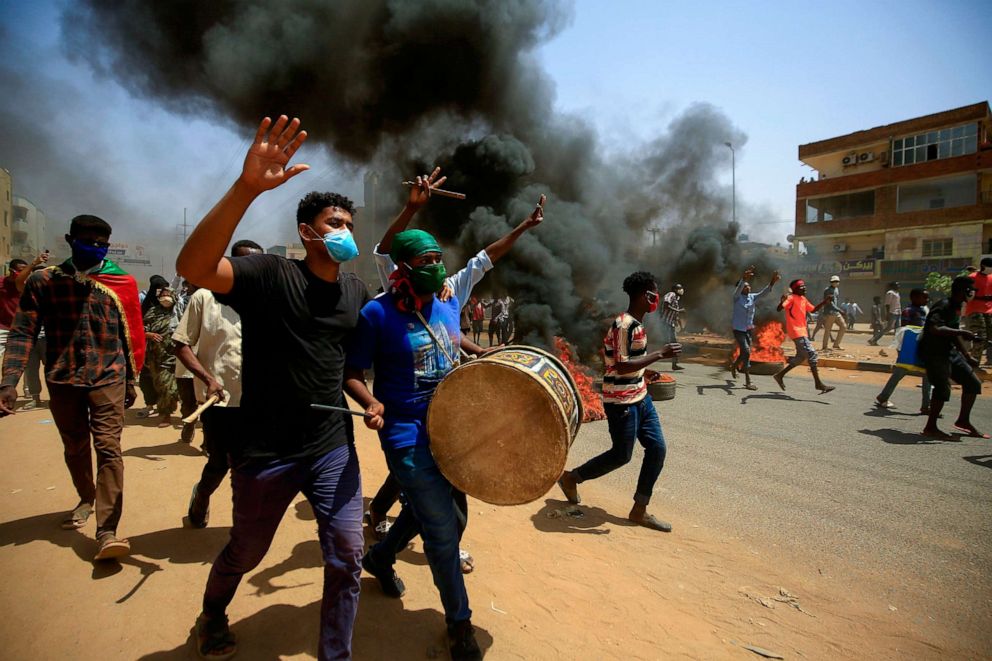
546 585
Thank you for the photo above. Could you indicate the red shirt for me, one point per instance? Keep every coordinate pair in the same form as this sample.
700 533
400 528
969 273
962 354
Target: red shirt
796 307
478 312
9 299
983 287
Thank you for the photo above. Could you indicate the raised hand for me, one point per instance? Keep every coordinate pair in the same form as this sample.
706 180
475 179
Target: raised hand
265 165
776 276
537 216
420 194
749 273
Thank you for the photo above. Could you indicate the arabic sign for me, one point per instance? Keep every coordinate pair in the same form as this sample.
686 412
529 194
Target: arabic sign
917 269
851 268
124 253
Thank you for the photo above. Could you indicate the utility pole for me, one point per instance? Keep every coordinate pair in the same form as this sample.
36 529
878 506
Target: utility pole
733 180
654 236
185 226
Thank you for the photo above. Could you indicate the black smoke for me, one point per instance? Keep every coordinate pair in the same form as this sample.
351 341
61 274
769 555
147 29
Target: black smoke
403 86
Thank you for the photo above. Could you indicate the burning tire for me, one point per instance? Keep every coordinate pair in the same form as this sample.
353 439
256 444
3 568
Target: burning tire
763 368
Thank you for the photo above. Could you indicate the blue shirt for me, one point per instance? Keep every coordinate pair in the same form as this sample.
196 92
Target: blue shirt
408 363
743 319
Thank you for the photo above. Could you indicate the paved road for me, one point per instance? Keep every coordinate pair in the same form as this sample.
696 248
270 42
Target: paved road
830 479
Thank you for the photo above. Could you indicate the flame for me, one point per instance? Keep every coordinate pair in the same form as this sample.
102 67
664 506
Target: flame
767 347
592 404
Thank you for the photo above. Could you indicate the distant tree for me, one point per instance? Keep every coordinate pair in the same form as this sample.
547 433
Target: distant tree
937 283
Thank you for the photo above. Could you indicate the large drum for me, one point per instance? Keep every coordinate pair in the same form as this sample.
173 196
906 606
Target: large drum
500 426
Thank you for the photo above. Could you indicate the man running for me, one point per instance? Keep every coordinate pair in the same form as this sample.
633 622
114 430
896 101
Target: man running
629 409
796 307
945 356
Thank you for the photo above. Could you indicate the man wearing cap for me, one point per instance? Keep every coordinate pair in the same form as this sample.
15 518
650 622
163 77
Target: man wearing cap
832 314
411 339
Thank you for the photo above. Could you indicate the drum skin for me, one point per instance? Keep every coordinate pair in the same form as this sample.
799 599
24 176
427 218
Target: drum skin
500 426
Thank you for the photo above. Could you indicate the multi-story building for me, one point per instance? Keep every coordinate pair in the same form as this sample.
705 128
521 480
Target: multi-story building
897 202
292 251
28 232
7 212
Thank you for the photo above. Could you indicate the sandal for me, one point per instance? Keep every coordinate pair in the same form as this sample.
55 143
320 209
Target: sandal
649 521
214 639
78 517
970 431
467 561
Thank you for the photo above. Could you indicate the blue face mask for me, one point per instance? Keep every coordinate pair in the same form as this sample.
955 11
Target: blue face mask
341 245
86 255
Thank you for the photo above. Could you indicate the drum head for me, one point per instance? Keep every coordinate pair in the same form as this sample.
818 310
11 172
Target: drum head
497 433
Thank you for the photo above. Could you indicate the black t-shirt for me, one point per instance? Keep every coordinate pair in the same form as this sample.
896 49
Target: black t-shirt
933 347
293 331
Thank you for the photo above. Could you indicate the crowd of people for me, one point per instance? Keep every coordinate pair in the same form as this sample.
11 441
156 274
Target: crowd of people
248 333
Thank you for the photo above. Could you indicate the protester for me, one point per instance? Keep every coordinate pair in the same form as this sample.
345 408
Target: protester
877 321
630 412
90 310
906 345
460 285
946 357
411 339
979 312
796 307
295 317
853 312
832 314
184 378
672 308
893 310
743 322
32 372
478 316
145 381
160 357
208 344
10 296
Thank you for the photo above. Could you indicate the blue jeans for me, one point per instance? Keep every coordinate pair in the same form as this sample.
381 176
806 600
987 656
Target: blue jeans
743 338
262 492
430 503
629 423
897 374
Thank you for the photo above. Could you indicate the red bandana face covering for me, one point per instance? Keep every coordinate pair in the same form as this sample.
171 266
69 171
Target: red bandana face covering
799 285
402 290
653 301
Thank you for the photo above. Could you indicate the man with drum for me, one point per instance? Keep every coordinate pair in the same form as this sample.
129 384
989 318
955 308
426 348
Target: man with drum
629 409
411 338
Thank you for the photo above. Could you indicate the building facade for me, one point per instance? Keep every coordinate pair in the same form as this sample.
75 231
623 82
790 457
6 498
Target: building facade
29 230
897 202
7 213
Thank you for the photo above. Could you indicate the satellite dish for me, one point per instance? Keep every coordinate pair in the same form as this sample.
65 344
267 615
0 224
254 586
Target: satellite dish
791 238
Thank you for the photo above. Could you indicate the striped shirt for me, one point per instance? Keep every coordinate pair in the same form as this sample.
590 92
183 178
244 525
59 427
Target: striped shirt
626 339
669 313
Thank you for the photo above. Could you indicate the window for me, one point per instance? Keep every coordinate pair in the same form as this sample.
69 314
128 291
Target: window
959 191
938 247
934 145
835 207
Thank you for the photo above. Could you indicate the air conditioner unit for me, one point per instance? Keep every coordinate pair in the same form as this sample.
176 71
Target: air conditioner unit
866 156
840 247
883 157
850 159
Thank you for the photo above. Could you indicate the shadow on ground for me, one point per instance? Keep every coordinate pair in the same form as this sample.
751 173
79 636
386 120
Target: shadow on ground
899 437
560 516
383 630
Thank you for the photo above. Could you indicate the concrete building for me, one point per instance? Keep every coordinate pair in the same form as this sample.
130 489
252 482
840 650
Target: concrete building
292 251
29 230
7 213
897 202
370 224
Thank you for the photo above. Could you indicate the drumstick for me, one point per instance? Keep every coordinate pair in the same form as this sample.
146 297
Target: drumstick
325 407
203 407
440 191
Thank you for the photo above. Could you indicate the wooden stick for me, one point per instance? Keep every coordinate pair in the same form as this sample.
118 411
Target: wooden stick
341 409
440 191
203 407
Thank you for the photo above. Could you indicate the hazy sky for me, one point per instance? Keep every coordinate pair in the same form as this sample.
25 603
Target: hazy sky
785 73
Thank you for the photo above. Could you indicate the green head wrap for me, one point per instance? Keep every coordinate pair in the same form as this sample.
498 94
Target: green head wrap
412 243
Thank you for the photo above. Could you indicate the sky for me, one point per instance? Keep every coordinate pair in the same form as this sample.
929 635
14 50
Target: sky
785 73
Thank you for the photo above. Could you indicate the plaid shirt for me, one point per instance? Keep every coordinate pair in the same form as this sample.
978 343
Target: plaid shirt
85 334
